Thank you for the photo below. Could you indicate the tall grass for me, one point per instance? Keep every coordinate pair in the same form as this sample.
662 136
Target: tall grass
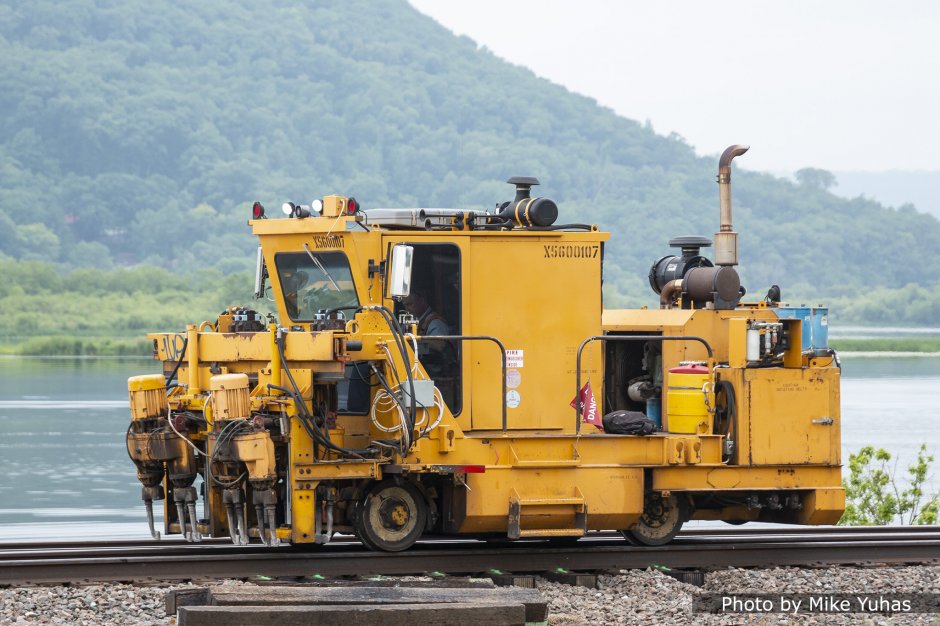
85 346
887 344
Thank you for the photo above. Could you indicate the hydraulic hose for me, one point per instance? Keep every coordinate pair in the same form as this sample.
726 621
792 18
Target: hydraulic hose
303 412
399 335
561 227
179 361
729 418
229 432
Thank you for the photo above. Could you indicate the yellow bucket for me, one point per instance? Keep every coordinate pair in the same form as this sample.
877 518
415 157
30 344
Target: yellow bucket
686 410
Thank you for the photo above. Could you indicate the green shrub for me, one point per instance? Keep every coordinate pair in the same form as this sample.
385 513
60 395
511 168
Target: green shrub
875 497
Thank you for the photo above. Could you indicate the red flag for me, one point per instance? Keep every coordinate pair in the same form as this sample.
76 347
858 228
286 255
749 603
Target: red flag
590 413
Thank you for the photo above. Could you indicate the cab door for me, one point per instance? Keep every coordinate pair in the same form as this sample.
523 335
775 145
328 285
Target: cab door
437 301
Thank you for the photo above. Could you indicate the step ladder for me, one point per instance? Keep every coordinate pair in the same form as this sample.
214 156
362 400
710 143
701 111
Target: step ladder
519 507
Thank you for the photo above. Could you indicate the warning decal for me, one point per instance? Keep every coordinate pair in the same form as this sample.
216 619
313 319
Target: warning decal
514 358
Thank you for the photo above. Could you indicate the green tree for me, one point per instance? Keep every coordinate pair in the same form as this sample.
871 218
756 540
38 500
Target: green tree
37 242
875 496
815 177
117 119
90 254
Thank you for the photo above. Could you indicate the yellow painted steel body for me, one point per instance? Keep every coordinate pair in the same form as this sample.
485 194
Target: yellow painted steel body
256 451
544 474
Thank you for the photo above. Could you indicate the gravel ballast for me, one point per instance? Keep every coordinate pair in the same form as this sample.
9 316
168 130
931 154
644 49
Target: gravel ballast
632 597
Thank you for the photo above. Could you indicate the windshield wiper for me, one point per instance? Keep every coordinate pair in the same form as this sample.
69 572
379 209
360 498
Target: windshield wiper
322 269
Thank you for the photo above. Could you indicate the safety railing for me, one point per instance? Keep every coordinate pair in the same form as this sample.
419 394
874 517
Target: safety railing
502 351
577 394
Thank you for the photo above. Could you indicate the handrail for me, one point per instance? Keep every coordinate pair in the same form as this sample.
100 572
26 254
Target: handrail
499 344
577 392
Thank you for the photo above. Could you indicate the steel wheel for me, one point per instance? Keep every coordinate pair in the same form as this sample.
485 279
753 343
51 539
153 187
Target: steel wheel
391 516
661 520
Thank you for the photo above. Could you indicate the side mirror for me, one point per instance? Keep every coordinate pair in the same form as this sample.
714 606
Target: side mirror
261 272
399 276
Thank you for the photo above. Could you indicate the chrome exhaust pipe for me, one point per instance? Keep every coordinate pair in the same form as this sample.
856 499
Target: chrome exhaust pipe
726 240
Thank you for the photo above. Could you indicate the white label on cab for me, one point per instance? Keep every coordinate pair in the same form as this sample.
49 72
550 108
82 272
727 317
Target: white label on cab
514 358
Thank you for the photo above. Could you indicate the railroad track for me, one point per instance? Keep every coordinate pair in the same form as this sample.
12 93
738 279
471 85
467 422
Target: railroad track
33 563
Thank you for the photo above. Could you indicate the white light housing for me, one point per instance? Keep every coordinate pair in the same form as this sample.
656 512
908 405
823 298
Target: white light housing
259 275
316 206
288 208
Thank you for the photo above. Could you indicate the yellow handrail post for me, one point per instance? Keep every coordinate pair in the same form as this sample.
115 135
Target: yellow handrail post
192 353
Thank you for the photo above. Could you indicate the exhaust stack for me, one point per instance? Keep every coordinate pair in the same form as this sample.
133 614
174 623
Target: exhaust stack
726 240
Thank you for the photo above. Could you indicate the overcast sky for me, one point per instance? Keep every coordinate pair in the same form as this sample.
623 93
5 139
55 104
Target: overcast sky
836 84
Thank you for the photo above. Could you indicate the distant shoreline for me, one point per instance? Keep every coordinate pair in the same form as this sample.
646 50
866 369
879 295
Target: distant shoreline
905 345
71 346
68 346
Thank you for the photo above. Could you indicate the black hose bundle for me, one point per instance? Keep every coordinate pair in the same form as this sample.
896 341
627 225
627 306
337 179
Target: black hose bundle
726 415
310 424
411 411
316 428
226 436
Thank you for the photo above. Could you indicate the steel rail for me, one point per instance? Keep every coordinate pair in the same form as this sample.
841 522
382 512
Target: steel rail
15 549
720 532
469 557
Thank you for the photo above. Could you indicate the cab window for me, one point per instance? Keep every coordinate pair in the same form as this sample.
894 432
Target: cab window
315 282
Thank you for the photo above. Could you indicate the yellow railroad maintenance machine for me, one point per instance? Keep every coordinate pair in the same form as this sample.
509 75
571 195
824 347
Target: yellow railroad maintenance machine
451 371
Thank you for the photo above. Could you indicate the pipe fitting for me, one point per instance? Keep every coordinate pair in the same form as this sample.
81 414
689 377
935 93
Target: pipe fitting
724 161
669 290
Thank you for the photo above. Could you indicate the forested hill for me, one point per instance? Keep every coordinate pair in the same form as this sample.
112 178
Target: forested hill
140 132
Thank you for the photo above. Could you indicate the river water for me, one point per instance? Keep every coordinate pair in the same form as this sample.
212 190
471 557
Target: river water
64 470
